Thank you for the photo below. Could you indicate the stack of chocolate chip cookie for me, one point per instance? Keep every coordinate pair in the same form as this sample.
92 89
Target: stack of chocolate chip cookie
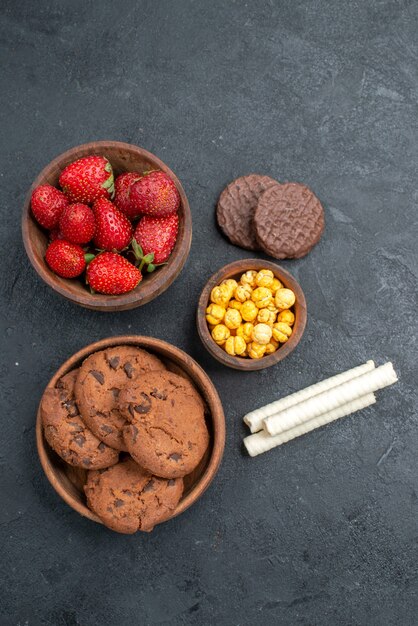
256 212
136 427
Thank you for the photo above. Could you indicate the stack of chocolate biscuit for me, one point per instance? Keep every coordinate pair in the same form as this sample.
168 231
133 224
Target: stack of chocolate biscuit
135 427
256 212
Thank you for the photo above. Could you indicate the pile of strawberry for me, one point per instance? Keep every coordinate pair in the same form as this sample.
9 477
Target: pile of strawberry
112 229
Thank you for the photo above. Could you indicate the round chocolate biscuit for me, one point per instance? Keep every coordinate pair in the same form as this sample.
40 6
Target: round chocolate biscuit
102 375
236 206
128 499
167 434
66 432
288 221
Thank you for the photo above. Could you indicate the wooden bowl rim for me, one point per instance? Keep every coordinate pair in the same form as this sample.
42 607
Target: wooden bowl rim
235 268
200 379
103 302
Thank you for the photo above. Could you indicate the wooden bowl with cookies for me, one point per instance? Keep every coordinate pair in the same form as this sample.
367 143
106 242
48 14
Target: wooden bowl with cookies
130 432
123 158
251 314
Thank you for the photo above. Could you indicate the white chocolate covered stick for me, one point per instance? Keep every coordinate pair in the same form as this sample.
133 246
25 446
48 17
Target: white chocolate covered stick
255 419
382 376
262 442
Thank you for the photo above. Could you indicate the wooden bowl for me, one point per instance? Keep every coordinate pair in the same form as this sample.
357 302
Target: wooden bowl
124 158
68 481
235 270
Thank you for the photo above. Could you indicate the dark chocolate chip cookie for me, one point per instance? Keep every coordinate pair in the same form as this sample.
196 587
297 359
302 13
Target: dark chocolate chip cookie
66 432
101 377
167 434
128 499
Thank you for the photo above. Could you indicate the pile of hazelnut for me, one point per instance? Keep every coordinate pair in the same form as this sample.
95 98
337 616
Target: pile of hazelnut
253 316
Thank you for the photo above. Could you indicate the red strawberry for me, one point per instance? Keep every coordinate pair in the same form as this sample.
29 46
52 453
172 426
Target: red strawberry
47 204
77 223
65 259
157 235
112 274
123 185
154 194
88 179
113 229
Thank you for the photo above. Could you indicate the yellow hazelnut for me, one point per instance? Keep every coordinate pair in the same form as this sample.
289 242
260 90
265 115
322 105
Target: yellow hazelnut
215 313
262 297
235 346
281 332
272 346
220 334
249 311
284 298
235 304
221 295
248 278
245 331
232 318
286 316
276 285
262 334
264 278
231 284
266 317
273 308
256 350
242 293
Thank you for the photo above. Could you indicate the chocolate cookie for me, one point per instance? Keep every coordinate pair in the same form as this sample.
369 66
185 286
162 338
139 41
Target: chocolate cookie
288 221
167 433
66 432
127 498
101 377
236 206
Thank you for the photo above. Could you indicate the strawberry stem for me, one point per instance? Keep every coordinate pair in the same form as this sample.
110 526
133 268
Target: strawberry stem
142 259
109 182
138 252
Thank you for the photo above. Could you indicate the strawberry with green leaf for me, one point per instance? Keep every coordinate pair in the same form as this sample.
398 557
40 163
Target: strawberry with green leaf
123 186
88 179
113 229
112 274
47 204
66 259
156 236
154 194
77 223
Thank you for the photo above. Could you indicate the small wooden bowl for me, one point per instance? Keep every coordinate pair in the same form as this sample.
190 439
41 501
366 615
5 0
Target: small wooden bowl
124 158
68 481
235 270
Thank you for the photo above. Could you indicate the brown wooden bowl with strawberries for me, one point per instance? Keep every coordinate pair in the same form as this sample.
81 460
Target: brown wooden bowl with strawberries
235 270
68 481
123 158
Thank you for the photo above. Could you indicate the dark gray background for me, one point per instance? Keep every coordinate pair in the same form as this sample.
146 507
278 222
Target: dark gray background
324 530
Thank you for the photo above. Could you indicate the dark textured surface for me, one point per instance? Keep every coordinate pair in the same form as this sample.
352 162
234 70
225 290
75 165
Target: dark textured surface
324 530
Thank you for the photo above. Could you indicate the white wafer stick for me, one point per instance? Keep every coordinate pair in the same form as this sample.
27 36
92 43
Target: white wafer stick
262 442
332 399
255 419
